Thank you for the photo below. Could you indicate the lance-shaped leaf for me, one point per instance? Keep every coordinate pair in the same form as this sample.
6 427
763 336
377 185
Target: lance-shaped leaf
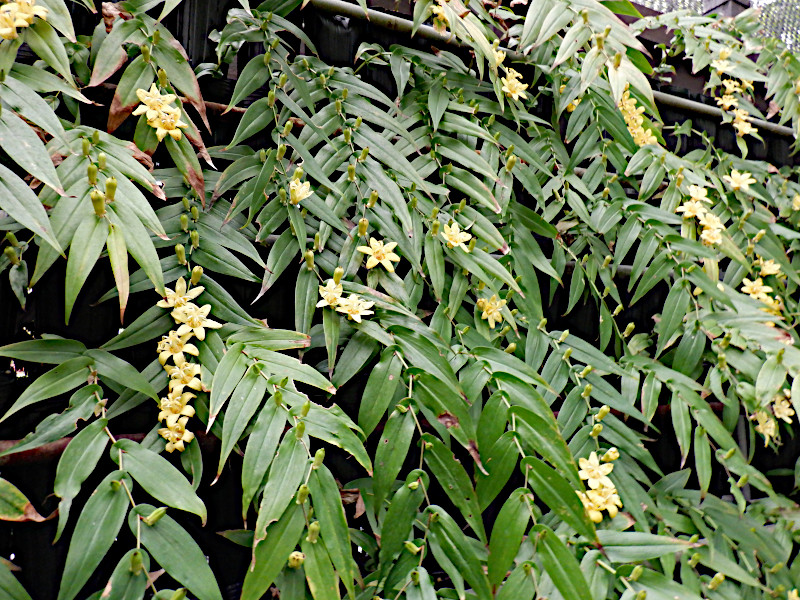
321 577
9 586
228 373
379 392
399 520
118 257
130 577
44 41
138 75
111 54
116 369
22 205
391 453
162 538
50 350
92 233
561 565
260 450
507 533
244 402
159 478
95 531
14 506
281 364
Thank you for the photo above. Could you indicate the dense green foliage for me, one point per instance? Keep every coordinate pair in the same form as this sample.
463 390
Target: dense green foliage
498 196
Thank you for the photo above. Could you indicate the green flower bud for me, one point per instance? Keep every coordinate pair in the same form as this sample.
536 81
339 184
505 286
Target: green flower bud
186 204
282 81
155 516
338 105
694 559
505 330
146 53
267 58
358 122
91 173
351 173
567 354
511 348
729 454
278 397
302 494
180 252
287 129
628 330
742 481
347 133
87 146
637 572
596 430
12 239
586 370
282 195
362 227
195 213
414 549
435 228
96 138
309 257
11 255
111 188
364 154
412 204
185 222
602 413
281 151
716 581
101 161
641 595
179 594
319 456
136 562
163 81
512 160
338 272
373 198
587 391
194 236
98 203
296 559
313 532
300 430
305 408
197 273
471 245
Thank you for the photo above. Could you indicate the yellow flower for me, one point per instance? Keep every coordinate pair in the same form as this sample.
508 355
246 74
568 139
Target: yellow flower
740 114
605 498
747 85
731 86
720 66
26 10
727 102
699 193
512 87
768 267
168 122
796 202
766 426
183 375
692 208
176 435
635 121
491 310
611 455
174 346
725 53
755 289
782 409
331 293
744 128
298 191
711 236
739 181
179 296
194 319
591 507
380 254
793 595
9 21
711 221
456 238
175 405
595 474
774 305
153 102
440 21
499 57
355 307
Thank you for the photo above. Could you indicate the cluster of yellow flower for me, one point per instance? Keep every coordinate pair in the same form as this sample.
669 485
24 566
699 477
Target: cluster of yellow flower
491 308
766 423
440 22
758 291
19 14
193 320
721 64
512 86
635 121
354 306
695 208
729 101
602 494
456 238
161 115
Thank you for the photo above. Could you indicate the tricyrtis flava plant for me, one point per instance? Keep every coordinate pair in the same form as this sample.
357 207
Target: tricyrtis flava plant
514 289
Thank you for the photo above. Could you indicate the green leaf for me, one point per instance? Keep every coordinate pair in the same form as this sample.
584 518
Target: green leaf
118 257
51 350
333 524
322 580
561 565
305 299
391 453
507 533
14 506
130 577
95 531
635 546
44 41
252 77
151 324
544 438
285 475
159 478
559 495
9 586
22 205
270 559
76 464
281 364
59 380
399 520
445 467
188 566
92 233
379 392
438 99
116 369
260 450
244 402
227 375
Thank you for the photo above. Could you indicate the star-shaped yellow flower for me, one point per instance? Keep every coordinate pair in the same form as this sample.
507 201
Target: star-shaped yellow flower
744 128
176 435
727 102
768 267
755 289
512 86
606 498
766 426
180 296
183 375
298 191
692 208
153 102
731 86
354 307
592 509
331 292
380 254
739 181
194 319
168 122
26 10
455 237
720 65
491 310
782 409
698 193
174 346
175 405
595 473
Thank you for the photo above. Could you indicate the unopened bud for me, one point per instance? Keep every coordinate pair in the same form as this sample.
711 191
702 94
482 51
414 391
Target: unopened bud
194 237
347 133
155 516
146 53
319 456
742 481
179 594
596 430
505 330
761 233
435 228
413 548
162 76
305 408
86 146
775 568
338 272
602 413
567 354
607 261
156 40
185 222
296 559
586 370
185 202
628 330
11 255
302 494
282 195
610 455
195 213
617 310
197 273
636 573
98 203
313 532
282 81
111 188
300 430
351 173
278 397
281 151
512 160
694 559
471 245
641 595
298 174
358 122
12 239
136 562
413 485
511 348
180 252
729 454
716 581
271 99
362 227
96 138
309 256
542 324
338 105
287 129
91 173
373 198
564 335
587 391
